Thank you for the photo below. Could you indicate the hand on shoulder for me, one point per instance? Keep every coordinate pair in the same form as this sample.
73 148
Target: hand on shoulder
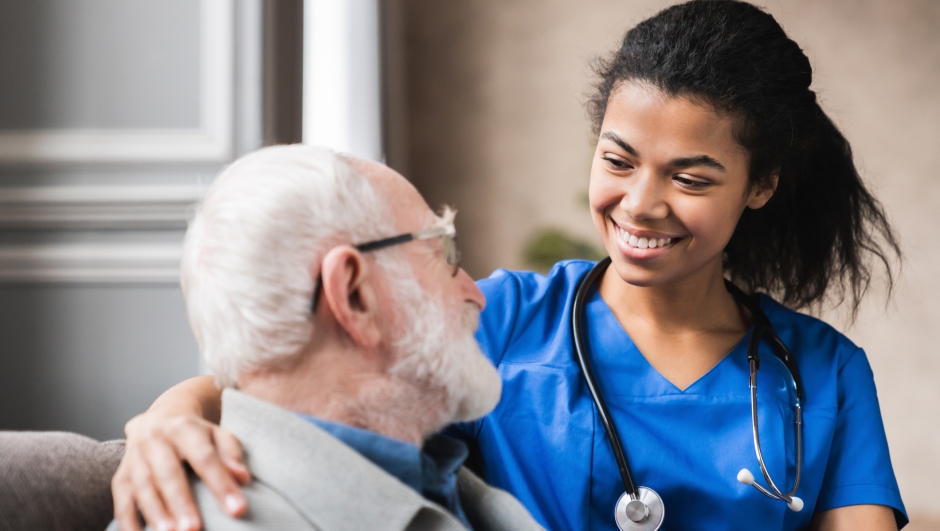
152 479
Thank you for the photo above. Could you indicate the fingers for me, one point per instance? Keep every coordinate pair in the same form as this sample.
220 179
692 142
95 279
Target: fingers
125 510
230 449
152 478
150 504
171 480
128 496
201 448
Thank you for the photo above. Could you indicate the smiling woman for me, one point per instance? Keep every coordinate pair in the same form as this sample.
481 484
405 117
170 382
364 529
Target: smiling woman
713 161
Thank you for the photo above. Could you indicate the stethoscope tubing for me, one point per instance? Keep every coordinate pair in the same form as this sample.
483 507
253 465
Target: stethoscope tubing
613 437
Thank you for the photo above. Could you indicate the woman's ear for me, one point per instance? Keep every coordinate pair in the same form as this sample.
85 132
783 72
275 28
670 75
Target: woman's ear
761 192
349 293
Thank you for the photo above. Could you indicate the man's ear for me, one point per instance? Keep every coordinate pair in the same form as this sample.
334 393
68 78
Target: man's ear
349 292
761 192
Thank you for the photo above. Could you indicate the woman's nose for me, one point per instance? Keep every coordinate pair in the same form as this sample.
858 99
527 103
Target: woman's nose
644 197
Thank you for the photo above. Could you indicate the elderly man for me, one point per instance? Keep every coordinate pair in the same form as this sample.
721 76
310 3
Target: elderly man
336 398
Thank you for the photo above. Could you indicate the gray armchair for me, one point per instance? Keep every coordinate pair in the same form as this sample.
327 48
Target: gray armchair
56 481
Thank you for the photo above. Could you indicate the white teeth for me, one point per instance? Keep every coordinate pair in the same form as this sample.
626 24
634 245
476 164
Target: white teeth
643 243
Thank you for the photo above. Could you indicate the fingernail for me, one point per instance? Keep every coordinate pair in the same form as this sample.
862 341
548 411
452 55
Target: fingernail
233 503
165 525
186 523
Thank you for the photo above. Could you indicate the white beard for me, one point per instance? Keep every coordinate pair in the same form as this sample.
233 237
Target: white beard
439 355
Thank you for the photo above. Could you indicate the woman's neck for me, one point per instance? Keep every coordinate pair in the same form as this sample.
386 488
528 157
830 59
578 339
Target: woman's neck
683 329
696 304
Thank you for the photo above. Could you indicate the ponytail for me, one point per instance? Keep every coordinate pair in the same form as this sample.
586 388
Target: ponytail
822 230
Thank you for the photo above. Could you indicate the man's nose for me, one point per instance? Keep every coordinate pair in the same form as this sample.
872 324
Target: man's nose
469 289
644 196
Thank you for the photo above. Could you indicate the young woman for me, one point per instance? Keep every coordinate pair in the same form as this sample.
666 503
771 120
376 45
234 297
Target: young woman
714 161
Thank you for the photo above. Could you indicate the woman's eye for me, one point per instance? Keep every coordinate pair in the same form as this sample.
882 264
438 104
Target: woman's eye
617 163
691 184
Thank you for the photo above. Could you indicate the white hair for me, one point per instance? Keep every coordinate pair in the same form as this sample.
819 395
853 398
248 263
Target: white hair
253 251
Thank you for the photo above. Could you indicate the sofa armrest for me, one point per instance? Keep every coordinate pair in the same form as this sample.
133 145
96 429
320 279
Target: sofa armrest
56 481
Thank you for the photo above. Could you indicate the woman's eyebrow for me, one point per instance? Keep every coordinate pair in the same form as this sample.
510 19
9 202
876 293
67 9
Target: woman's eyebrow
681 162
699 160
615 138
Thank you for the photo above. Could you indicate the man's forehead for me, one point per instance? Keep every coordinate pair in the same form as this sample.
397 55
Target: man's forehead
395 190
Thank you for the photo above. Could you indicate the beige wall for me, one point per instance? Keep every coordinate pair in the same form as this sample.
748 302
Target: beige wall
496 126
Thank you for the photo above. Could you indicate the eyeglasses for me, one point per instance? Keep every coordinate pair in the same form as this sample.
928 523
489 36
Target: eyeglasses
447 233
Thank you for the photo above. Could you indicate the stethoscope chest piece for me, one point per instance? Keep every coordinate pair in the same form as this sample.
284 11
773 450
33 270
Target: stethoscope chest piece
642 514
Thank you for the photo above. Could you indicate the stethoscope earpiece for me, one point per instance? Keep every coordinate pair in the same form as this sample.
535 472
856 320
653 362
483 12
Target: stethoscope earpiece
795 503
745 476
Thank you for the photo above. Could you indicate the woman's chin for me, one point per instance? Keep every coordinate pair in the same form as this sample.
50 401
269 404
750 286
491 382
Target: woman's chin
639 276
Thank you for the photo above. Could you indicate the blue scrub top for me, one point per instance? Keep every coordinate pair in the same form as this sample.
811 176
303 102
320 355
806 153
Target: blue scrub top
545 443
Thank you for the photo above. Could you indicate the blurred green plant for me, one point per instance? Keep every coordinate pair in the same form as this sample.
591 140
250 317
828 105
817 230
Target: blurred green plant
551 245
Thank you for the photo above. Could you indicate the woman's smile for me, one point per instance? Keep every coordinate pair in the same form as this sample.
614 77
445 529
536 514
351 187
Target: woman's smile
642 244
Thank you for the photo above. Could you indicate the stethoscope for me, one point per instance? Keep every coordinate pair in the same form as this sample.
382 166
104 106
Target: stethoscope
641 508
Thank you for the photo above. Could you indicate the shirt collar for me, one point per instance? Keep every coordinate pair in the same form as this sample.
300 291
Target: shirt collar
399 458
431 471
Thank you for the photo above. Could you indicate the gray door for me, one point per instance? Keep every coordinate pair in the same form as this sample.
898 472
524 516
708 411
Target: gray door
114 115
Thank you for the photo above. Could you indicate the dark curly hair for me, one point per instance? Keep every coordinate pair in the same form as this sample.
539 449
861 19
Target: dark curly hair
822 230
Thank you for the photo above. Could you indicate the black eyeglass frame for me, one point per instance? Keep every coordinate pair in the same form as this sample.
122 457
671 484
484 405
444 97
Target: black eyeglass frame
447 233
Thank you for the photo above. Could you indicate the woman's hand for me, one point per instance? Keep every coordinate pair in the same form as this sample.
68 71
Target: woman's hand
151 476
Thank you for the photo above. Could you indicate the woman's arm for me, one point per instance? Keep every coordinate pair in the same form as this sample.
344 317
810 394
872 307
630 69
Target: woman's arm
181 425
855 518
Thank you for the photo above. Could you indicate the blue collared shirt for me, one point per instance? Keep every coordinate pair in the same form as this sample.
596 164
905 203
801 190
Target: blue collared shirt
431 471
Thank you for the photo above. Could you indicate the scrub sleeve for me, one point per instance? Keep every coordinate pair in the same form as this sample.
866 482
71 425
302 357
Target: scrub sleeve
853 473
